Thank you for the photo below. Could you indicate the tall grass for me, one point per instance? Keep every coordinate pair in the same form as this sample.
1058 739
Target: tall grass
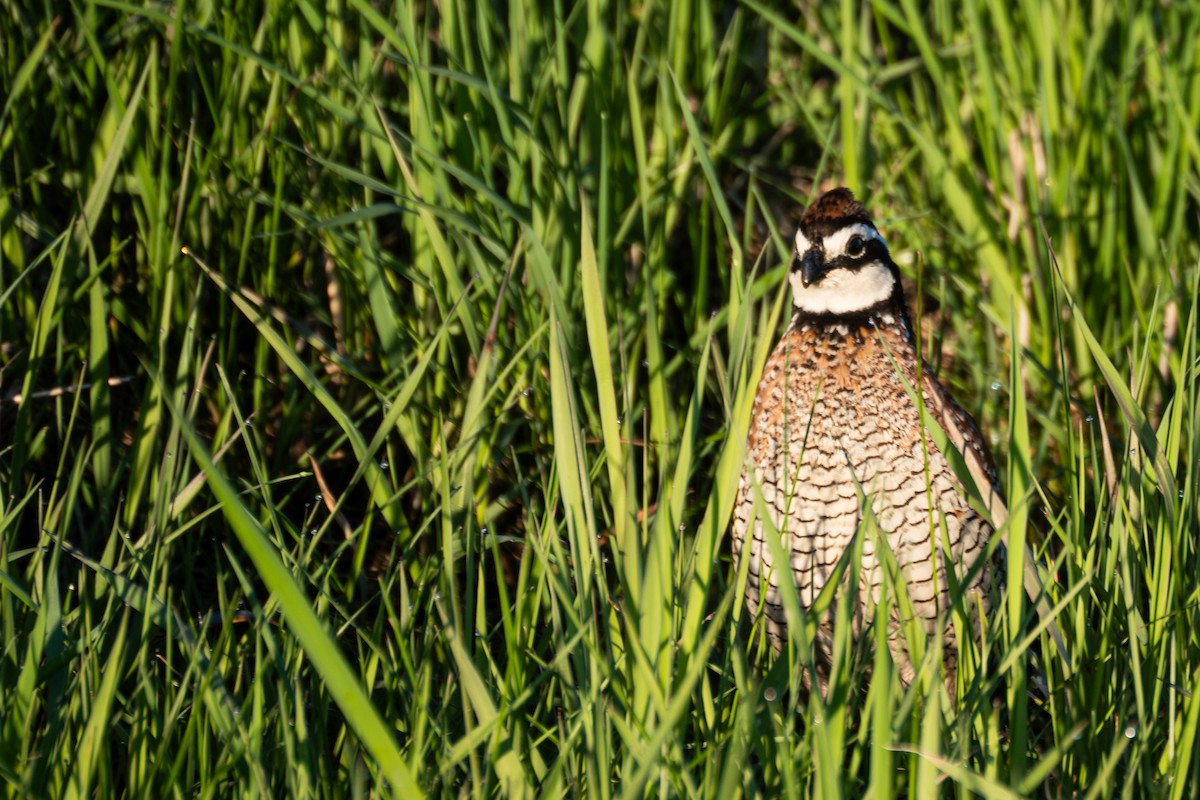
374 382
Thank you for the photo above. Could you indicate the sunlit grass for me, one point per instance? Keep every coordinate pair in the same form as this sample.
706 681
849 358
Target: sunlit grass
413 473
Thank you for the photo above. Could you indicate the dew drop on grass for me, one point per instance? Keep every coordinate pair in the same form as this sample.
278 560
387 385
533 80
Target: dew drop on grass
1130 731
1089 419
383 465
769 694
682 527
483 530
995 386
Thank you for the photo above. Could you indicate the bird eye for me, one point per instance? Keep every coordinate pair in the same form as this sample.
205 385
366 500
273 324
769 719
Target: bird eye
855 247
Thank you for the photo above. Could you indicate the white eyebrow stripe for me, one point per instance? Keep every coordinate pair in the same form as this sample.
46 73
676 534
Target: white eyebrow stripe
835 243
802 243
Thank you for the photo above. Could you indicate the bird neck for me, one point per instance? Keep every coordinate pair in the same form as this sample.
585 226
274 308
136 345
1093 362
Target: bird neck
890 315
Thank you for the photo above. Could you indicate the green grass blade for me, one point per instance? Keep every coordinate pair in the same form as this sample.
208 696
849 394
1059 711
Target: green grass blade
302 621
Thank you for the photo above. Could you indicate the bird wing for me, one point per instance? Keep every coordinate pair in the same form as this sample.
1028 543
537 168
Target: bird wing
965 437
963 434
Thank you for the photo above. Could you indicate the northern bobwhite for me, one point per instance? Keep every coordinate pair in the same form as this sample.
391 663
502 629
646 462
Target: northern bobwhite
835 431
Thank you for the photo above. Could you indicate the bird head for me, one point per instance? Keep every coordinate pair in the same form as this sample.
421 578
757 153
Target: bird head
842 264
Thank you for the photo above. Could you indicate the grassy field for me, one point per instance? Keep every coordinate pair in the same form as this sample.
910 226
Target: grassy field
374 382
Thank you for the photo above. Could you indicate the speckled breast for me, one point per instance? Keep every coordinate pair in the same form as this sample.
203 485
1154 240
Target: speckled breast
836 436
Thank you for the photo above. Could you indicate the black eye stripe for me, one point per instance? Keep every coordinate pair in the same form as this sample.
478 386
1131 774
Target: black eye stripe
873 250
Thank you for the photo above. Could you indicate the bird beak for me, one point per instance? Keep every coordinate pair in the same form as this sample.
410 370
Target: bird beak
812 267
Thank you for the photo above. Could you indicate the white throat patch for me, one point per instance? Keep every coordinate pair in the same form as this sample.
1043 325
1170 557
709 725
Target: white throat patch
843 291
